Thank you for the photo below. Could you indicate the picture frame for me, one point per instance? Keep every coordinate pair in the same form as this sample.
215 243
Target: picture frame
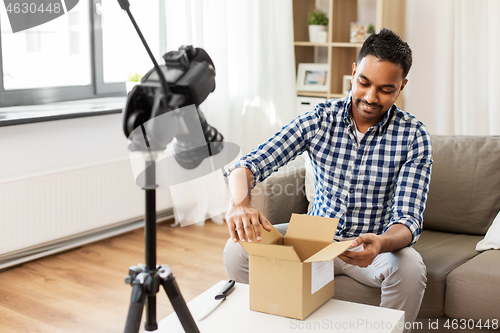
312 77
357 33
346 84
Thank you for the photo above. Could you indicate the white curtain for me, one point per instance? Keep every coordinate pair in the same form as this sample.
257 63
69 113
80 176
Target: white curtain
251 45
467 67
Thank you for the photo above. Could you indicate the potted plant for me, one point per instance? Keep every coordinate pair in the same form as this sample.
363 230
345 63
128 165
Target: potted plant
317 21
133 80
370 30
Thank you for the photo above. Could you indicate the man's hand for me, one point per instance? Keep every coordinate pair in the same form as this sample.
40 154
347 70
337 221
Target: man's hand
372 246
396 237
244 221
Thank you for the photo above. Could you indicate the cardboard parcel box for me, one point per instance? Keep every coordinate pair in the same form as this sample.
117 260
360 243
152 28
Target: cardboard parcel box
292 276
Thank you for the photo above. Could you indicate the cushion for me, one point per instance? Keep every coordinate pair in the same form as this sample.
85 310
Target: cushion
282 193
473 288
442 253
463 194
348 289
492 238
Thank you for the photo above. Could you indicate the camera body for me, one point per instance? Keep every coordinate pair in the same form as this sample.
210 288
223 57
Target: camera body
190 77
190 72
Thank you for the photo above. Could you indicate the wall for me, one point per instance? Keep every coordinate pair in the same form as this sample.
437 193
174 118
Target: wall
61 179
47 147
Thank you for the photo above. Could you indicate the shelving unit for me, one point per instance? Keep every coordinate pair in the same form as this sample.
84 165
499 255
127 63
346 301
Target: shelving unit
341 54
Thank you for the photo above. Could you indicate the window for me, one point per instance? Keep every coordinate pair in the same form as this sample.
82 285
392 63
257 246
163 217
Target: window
53 54
88 52
123 52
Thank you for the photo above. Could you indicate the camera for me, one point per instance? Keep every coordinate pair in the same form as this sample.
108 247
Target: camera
155 113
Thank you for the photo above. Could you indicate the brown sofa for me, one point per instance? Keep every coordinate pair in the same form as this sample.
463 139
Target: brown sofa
464 199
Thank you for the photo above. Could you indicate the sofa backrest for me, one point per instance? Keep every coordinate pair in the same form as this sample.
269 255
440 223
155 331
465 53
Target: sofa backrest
464 194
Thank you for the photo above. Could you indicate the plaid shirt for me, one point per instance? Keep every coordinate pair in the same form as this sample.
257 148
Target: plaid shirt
368 186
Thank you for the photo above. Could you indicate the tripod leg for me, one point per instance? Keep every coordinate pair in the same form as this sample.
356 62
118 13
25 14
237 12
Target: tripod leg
178 303
151 324
135 310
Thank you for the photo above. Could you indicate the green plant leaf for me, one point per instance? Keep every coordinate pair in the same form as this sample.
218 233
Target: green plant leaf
135 77
317 18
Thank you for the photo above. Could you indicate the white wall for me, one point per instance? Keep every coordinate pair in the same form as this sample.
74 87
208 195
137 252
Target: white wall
48 147
55 147
66 178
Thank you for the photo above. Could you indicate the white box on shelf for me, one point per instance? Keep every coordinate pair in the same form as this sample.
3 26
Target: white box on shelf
306 104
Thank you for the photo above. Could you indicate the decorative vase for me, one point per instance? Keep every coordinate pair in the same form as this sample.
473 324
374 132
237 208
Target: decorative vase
317 33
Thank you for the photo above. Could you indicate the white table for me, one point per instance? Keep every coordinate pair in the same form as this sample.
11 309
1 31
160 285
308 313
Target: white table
234 315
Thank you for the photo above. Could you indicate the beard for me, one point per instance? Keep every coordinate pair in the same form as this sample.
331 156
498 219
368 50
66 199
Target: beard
367 110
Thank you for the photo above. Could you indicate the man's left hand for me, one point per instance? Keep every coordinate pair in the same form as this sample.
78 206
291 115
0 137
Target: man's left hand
372 246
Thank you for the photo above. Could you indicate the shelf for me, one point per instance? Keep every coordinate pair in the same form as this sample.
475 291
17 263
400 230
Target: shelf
312 93
346 44
341 44
337 95
310 44
319 94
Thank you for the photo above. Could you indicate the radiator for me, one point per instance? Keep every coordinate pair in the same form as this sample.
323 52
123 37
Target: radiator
48 213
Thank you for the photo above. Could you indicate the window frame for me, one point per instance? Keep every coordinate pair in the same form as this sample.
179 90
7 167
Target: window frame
96 89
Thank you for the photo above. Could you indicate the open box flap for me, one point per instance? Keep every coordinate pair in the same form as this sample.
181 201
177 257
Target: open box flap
312 227
330 252
270 237
271 251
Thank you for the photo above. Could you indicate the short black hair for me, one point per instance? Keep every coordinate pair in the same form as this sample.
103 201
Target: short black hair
387 46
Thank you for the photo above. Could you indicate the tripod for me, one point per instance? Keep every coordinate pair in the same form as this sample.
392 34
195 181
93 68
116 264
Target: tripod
146 280
197 81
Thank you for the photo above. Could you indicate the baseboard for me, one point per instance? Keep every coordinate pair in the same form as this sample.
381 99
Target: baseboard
18 257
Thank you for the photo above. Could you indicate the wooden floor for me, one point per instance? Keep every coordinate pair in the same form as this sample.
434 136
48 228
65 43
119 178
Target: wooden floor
83 290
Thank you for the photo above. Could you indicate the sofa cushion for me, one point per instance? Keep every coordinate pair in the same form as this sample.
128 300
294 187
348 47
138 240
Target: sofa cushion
442 252
473 289
281 194
463 193
348 289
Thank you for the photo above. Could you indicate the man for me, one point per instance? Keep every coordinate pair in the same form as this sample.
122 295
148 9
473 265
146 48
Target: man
372 165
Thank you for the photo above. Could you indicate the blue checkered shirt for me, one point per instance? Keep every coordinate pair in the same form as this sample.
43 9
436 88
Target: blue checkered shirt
370 185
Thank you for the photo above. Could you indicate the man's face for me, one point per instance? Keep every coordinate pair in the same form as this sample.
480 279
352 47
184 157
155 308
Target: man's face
376 85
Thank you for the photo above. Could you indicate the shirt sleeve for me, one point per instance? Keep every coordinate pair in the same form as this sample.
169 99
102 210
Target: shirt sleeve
282 147
412 185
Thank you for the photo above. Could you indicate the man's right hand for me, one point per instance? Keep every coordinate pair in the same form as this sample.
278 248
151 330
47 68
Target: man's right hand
244 222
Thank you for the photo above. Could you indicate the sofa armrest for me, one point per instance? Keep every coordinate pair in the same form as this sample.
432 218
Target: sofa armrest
282 194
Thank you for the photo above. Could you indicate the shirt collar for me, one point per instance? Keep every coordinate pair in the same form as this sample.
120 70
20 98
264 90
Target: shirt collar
380 126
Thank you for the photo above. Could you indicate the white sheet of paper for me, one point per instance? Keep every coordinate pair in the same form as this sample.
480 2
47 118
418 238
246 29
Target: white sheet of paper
321 275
